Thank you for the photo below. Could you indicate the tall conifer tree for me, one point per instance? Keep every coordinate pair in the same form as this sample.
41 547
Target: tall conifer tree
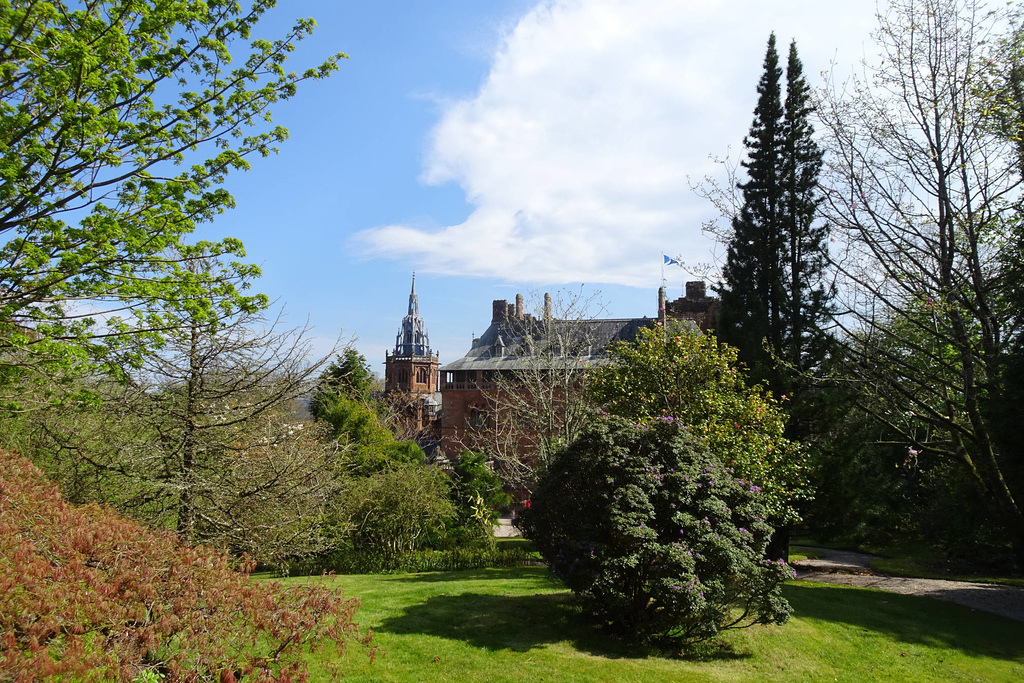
751 308
772 299
806 299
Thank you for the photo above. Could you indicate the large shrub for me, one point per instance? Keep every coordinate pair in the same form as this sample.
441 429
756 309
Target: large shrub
655 535
394 511
86 595
691 376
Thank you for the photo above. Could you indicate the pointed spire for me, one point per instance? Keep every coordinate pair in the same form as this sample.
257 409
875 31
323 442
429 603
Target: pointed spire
414 304
412 338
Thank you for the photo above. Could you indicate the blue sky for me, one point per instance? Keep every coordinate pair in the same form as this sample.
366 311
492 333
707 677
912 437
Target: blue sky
504 146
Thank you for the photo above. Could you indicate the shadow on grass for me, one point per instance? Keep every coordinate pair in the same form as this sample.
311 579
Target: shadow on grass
522 623
540 575
910 619
503 622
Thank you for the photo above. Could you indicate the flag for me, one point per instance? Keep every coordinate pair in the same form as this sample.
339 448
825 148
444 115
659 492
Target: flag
671 261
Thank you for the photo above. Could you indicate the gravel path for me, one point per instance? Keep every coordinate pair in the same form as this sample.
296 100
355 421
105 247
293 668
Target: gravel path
854 569
504 528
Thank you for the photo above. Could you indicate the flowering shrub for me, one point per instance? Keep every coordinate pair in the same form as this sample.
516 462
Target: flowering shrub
87 595
689 376
655 535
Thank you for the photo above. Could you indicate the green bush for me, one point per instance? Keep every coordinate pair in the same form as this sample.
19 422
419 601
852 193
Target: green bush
656 537
477 495
356 562
394 511
683 373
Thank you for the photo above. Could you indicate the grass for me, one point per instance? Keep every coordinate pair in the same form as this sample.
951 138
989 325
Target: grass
516 625
799 552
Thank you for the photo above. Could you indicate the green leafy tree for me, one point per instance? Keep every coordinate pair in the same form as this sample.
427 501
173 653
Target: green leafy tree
656 536
690 377
395 510
806 307
347 375
922 266
119 123
478 495
774 305
751 308
369 446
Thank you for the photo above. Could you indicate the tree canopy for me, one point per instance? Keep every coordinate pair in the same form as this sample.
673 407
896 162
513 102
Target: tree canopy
773 300
924 191
119 122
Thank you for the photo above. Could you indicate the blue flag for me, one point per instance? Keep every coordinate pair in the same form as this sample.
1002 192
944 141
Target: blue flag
671 261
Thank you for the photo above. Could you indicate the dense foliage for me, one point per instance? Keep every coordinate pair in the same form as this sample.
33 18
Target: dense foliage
478 494
690 376
395 510
773 302
925 252
370 447
88 595
656 536
119 122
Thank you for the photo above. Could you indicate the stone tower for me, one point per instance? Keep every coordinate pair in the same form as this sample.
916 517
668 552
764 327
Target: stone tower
411 368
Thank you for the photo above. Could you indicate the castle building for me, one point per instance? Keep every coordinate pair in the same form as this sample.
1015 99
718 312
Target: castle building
509 346
411 370
696 306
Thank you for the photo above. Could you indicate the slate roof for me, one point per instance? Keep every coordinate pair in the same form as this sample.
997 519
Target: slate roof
505 345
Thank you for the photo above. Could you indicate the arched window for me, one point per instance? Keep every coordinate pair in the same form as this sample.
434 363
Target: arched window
403 376
421 376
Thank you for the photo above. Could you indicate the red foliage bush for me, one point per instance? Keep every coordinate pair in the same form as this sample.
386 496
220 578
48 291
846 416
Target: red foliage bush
88 595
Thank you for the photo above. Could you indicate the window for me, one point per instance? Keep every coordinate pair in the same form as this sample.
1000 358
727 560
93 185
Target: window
477 418
421 376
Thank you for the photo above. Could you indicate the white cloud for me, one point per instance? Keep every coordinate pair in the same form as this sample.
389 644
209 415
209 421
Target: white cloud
576 150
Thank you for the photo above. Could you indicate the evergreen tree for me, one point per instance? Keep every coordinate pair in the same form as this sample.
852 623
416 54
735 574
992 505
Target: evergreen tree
773 303
806 305
751 309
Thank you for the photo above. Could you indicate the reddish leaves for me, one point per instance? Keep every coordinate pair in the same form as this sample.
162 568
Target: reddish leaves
89 595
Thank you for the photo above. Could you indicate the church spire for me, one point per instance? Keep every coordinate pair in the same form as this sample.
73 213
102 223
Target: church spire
414 304
412 339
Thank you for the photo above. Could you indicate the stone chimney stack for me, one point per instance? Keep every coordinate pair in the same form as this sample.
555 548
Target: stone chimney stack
519 306
499 311
696 290
547 306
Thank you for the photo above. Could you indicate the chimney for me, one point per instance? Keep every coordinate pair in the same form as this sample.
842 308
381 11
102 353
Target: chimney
499 311
696 290
547 306
519 306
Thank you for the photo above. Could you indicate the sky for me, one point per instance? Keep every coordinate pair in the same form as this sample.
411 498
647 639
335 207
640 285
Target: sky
496 147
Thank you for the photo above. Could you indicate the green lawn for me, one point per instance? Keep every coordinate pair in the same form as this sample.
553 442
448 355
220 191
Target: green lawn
515 625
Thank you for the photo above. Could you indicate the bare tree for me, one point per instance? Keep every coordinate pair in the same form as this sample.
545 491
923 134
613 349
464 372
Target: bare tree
920 186
203 435
536 384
